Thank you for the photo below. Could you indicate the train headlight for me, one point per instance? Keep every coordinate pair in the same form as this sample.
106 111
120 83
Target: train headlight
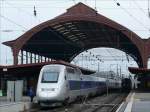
47 89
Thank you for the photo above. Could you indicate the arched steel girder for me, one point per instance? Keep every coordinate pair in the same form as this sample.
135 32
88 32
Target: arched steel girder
147 45
82 28
135 58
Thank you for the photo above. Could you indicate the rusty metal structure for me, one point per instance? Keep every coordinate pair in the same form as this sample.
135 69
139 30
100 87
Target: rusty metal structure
78 29
30 69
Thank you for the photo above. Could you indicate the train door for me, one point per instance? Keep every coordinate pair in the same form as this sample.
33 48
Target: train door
14 90
67 87
72 86
80 79
10 90
18 90
77 80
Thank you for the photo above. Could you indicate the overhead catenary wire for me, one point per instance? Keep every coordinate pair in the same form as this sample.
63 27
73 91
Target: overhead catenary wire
107 58
22 10
18 8
11 21
118 4
101 8
111 55
32 15
93 59
141 9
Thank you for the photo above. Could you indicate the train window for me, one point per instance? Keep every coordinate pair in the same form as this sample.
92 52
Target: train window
70 73
65 77
70 70
50 77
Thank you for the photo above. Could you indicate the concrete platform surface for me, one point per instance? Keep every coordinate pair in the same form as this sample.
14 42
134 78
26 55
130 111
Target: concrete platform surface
141 102
15 107
136 102
9 106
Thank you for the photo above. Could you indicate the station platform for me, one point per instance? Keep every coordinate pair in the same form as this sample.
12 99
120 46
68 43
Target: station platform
8 106
136 102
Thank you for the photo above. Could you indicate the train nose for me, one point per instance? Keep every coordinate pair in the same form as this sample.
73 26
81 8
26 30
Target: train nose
47 93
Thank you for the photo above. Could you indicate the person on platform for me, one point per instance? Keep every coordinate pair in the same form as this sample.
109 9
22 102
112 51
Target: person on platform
31 93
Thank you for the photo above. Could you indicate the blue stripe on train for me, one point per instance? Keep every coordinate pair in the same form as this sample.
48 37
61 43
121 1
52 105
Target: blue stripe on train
77 85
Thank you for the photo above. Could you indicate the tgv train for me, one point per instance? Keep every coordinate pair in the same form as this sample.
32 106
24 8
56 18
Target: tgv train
62 83
112 80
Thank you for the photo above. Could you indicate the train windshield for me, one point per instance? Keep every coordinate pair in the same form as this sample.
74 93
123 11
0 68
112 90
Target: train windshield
50 77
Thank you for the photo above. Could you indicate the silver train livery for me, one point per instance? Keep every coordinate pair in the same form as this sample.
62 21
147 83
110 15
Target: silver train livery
62 83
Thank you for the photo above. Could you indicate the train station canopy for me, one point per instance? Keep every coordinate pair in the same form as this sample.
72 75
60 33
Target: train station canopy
139 71
34 69
78 29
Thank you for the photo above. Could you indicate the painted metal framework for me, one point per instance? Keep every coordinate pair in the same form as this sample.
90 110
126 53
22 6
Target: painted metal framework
79 29
34 69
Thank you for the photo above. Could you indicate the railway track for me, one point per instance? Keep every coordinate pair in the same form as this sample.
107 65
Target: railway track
101 103
108 104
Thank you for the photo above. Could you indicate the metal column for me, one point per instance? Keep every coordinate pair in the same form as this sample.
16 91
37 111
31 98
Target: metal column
21 56
26 57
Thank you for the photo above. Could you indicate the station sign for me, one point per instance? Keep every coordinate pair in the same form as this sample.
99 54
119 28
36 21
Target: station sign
5 69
